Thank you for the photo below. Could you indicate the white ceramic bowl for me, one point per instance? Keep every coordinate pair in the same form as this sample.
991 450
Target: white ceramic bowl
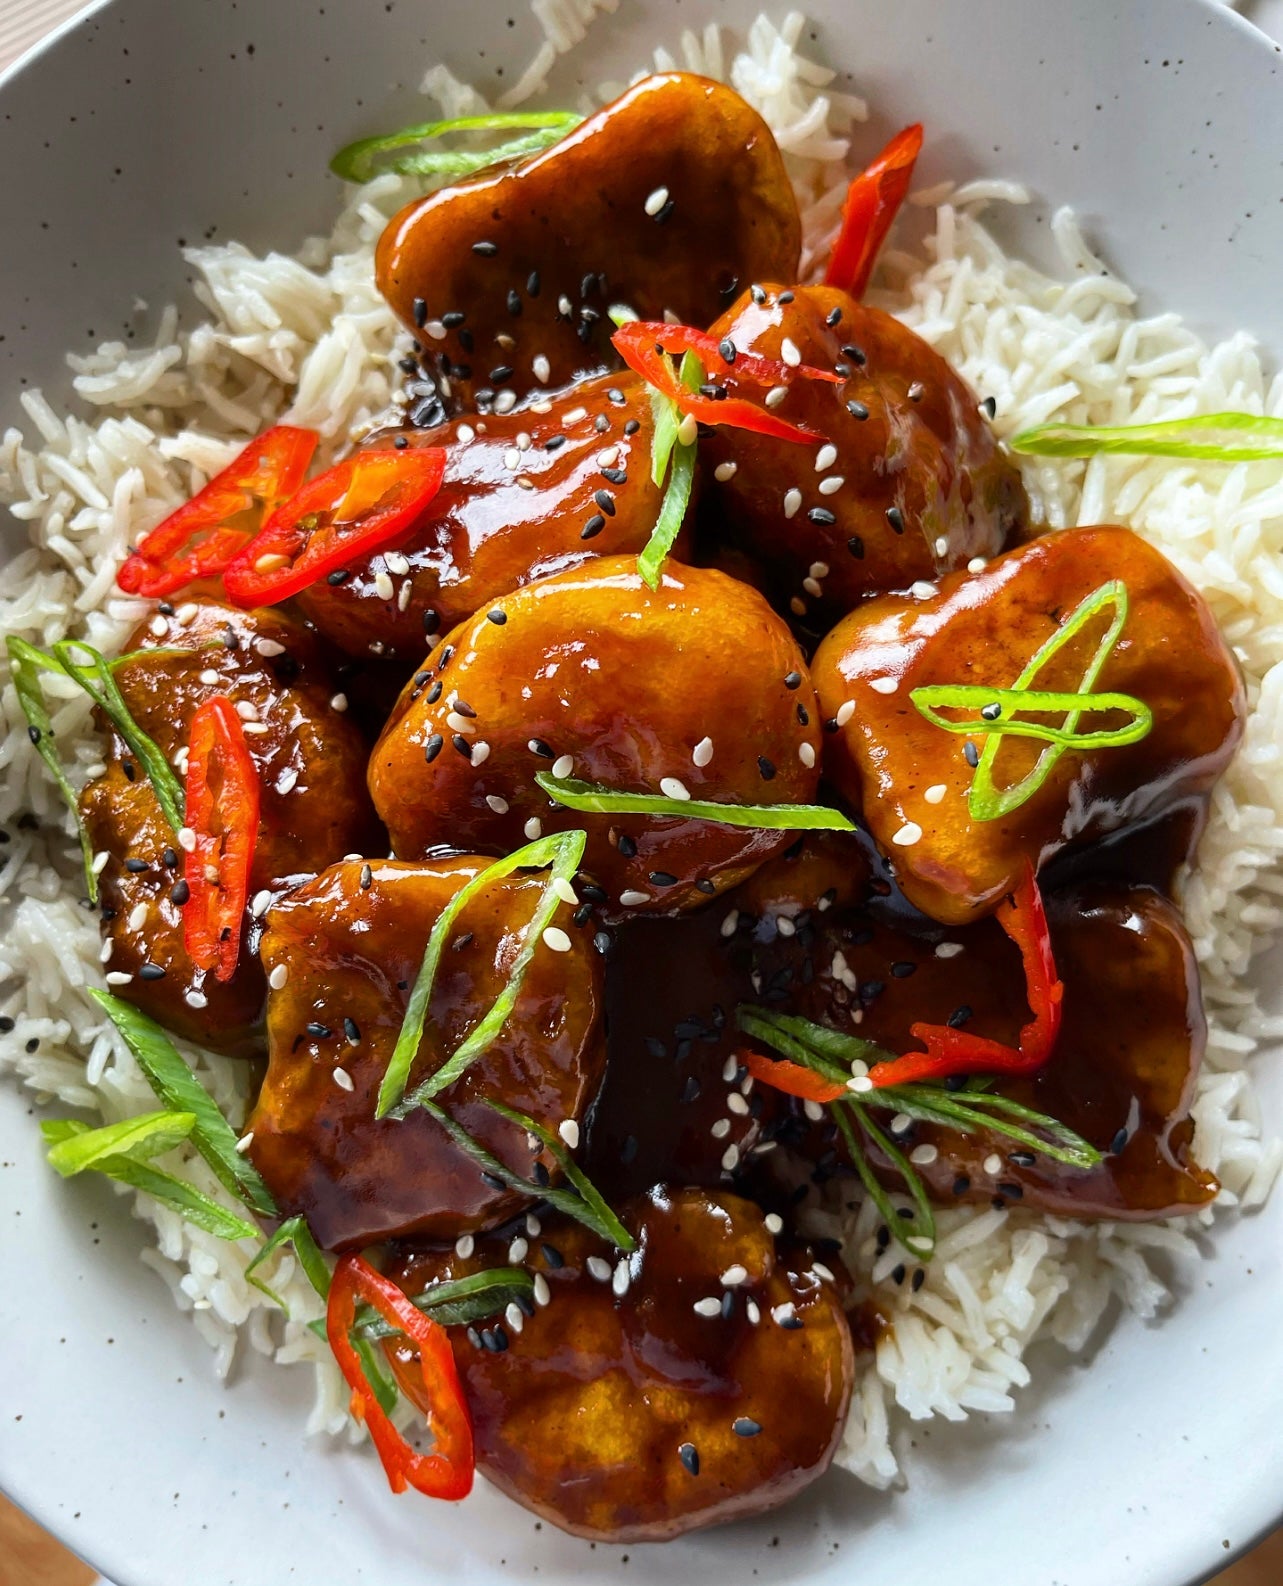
150 121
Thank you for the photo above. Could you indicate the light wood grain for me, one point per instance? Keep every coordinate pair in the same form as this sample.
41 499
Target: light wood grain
30 1558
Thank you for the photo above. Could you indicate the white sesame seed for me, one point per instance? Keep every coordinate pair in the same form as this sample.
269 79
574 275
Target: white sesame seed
631 898
737 1104
977 564
565 891
993 1164
774 1223
541 368
403 594
193 999
480 753
813 587
792 501
573 415
751 1308
257 728
435 329
517 1251
688 429
923 1155
797 606
117 977
458 723
568 1129
860 1084
844 712
465 433
464 1245
159 627
556 939
673 788
138 917
725 471
901 1124
884 685
825 457
542 1292
935 793
813 1110
338 702
599 1268
806 754
621 1277
187 611
187 839
497 804
608 457
908 834
512 459
343 1079
266 647
524 443
775 395
543 405
948 949
783 1313
730 1158
244 1143
819 570
789 352
942 545
383 585
921 590
210 677
710 1306
261 901
505 401
533 1226
396 563
563 765
514 1316
246 710
721 1129
784 925
821 1271
287 781
734 1276
729 926
533 828
277 979
656 200
831 485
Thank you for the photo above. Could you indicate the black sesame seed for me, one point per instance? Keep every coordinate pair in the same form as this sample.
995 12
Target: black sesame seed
452 319
34 734
896 519
855 354
959 1016
420 312
991 712
400 442
856 547
433 747
1022 1159
605 501
790 1324
554 442
615 395
916 391
464 709
728 1304
532 283
707 887
319 1032
833 317
461 745
136 866
632 426
689 1456
514 303
757 294
665 212
540 1175
989 406
603 941
1119 1143
617 476
367 878
150 971
127 766
169 858
552 1257
919 1278
971 754
765 768
582 914
601 424
903 969
179 892
593 527
792 680
492 1181
857 410
352 1030
434 693
627 847
663 878
899 1274
340 575
831 725
803 716
431 621
6 1024
474 1338
539 747
821 515
33 1045
961 1184
1011 1190
591 891
501 373
727 349
497 617
784 297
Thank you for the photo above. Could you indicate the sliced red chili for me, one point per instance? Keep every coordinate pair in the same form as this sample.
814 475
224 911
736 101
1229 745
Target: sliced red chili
357 507
791 1078
648 347
202 537
222 813
446 1472
950 1051
872 202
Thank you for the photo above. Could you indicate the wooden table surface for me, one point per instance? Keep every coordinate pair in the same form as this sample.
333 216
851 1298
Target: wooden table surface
29 1557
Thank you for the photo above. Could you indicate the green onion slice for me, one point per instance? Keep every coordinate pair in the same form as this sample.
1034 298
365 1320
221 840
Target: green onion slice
917 1234
1213 437
666 450
815 1046
120 1151
971 1111
590 798
457 1302
563 851
26 663
399 152
584 1210
95 677
974 696
294 1231
176 1085
986 801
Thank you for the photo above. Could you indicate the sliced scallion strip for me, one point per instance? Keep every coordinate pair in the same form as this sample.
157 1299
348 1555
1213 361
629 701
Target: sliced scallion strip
96 679
457 1302
933 697
1212 437
397 151
590 798
917 1234
563 851
294 1231
26 663
176 1085
678 457
976 1111
120 1152
562 1200
828 1052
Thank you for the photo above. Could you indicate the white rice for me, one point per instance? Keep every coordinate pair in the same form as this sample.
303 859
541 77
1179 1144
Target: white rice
309 339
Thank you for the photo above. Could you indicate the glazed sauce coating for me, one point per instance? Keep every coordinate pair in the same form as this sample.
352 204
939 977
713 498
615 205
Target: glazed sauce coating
983 629
347 947
916 484
673 197
627 684
633 1417
518 502
313 806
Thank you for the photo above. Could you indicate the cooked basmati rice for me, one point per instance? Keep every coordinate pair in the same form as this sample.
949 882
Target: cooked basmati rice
309 339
